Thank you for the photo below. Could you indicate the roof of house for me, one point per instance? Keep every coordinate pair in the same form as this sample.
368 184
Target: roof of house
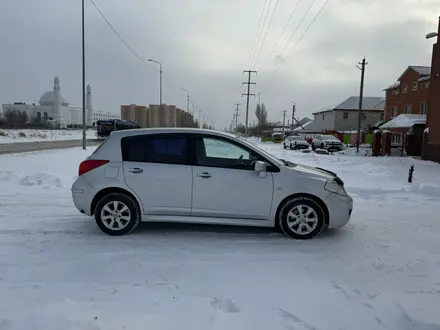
375 103
404 121
308 127
421 70
426 78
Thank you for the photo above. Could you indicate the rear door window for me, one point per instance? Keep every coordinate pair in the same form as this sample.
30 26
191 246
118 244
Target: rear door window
156 148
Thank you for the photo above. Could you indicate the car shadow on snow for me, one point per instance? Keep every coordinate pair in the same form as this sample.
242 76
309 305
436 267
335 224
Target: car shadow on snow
181 229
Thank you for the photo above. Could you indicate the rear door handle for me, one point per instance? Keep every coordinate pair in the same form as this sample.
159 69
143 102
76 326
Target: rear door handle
205 175
135 170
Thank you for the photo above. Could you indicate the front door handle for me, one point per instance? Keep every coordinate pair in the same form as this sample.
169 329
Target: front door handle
205 175
135 170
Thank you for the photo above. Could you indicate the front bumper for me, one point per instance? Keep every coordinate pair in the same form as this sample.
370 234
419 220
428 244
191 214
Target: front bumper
333 146
300 146
340 209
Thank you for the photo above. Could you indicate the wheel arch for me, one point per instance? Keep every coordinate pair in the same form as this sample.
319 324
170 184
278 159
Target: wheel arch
315 198
100 194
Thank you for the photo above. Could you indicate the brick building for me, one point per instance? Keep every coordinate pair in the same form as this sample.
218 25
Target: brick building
431 149
410 94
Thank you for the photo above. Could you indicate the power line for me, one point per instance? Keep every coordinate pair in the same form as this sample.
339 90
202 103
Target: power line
285 26
267 30
298 26
120 37
302 36
258 32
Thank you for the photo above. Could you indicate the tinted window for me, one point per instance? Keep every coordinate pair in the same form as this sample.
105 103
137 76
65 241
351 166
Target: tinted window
168 149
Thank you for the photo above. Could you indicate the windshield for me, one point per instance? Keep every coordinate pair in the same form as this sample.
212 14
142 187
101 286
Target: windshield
329 137
296 138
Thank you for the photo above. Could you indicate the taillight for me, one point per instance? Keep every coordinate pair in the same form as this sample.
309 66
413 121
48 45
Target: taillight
90 164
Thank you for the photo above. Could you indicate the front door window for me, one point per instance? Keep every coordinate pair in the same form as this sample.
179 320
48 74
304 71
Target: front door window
220 153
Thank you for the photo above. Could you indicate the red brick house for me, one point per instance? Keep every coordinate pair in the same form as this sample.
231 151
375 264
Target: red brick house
410 95
431 149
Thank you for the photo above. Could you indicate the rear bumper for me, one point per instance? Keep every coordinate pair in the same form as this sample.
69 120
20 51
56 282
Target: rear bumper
340 209
82 195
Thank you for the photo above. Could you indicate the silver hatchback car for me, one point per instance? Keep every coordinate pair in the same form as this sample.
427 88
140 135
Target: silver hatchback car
204 176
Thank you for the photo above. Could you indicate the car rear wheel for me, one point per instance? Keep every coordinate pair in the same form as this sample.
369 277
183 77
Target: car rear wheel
301 218
117 214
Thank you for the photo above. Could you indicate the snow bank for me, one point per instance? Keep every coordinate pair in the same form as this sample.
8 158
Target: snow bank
58 271
37 135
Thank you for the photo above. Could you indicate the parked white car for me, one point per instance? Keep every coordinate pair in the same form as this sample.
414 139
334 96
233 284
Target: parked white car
204 176
295 142
327 142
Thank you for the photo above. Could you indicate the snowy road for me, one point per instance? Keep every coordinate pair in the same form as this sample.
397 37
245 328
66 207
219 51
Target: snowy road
58 271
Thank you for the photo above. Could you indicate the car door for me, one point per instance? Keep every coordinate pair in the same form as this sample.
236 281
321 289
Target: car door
156 167
225 183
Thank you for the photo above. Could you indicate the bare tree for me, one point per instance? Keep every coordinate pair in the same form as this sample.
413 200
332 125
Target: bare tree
261 114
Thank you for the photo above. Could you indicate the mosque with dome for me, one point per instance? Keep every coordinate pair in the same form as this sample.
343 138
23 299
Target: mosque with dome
54 108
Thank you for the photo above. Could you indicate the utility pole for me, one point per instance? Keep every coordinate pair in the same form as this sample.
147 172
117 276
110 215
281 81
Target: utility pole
259 114
84 137
248 83
200 125
293 114
361 95
284 120
236 115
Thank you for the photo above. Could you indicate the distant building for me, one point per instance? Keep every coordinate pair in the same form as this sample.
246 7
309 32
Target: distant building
156 116
54 109
135 113
410 94
344 117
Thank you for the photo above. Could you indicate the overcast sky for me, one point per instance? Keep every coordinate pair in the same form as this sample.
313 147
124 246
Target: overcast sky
204 45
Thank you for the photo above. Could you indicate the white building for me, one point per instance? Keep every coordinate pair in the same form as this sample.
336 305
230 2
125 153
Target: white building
54 108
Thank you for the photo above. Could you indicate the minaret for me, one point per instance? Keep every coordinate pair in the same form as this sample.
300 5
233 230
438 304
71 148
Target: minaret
57 116
89 106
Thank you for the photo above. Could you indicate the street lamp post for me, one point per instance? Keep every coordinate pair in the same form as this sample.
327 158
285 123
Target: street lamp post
187 99
160 79
83 40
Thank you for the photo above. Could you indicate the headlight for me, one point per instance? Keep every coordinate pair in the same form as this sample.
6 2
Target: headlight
335 188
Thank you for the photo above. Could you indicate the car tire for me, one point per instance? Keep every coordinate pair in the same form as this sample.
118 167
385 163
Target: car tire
293 226
122 222
291 148
322 146
313 147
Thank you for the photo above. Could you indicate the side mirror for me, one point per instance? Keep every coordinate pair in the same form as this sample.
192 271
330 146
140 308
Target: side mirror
260 166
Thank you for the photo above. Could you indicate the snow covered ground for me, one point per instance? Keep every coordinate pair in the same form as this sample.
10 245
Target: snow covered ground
38 135
58 271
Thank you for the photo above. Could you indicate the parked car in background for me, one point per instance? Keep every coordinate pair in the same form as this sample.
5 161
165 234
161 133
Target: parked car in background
194 175
277 137
295 142
327 142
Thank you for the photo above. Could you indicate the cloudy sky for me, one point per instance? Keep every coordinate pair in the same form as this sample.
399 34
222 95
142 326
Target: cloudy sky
204 45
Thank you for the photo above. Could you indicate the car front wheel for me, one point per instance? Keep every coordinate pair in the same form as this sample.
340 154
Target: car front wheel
301 218
117 214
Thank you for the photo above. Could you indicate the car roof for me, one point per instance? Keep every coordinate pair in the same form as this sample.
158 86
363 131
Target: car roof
164 130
